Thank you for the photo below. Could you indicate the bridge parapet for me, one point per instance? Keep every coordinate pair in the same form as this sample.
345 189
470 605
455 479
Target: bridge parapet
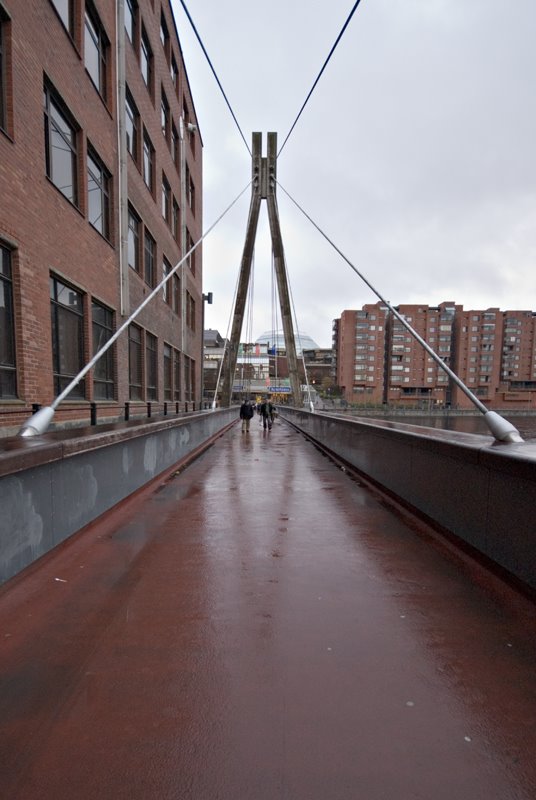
482 492
53 485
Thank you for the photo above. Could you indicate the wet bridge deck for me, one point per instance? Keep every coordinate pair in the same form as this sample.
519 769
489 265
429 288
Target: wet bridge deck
263 627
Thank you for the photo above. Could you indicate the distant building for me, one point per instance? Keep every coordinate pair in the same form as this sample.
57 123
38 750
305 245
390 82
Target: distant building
276 341
377 360
103 195
259 371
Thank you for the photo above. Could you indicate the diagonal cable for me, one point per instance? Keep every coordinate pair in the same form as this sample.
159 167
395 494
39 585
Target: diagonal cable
190 20
339 37
400 317
142 305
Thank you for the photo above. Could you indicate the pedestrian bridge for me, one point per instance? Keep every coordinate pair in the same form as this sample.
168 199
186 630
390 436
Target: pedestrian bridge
267 623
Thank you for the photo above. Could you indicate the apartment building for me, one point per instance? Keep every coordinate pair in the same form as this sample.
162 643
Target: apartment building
359 342
412 373
492 351
101 196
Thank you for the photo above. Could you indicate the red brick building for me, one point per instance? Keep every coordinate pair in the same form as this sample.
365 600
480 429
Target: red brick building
493 352
359 342
101 195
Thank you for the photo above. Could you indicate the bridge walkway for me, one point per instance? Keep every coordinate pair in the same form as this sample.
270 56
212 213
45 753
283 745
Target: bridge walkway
263 627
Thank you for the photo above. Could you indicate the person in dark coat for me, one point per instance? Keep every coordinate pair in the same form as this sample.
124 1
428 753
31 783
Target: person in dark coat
267 414
246 413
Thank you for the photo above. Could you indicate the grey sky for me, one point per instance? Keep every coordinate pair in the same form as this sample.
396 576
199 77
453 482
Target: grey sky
415 154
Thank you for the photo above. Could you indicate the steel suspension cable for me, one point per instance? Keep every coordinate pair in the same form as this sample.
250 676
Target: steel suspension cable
190 20
39 422
339 37
500 427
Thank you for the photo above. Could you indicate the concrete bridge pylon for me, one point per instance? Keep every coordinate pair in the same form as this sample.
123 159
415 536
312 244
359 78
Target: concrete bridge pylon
264 171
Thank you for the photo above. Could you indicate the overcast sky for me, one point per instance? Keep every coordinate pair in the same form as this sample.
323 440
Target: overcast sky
415 153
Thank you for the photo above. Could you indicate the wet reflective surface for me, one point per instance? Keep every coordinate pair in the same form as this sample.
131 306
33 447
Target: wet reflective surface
263 627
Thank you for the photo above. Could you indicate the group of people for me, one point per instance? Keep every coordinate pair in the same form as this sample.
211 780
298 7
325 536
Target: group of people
266 411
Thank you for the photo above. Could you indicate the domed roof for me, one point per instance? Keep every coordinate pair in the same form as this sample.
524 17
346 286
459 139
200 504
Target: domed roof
277 339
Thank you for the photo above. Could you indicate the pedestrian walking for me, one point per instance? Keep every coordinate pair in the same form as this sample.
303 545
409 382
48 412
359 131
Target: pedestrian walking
267 414
246 413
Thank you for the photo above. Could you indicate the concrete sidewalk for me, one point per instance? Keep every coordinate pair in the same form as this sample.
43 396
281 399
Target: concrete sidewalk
263 627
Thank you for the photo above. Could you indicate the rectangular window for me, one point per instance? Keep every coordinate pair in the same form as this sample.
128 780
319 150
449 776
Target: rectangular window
98 194
187 379
165 117
132 126
167 372
176 376
96 46
146 60
190 190
164 36
65 13
190 311
151 369
102 331
176 299
134 363
61 153
174 70
134 223
8 374
148 162
191 257
149 259
175 221
4 23
131 10
174 145
67 320
166 288
166 199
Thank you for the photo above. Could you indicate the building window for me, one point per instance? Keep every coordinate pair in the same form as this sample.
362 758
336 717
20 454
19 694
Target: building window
190 190
131 10
174 145
164 36
65 13
135 384
148 162
8 374
134 223
95 50
176 375
103 373
175 221
149 259
151 370
98 194
165 117
146 62
132 127
166 288
67 319
166 200
191 257
61 153
189 378
190 311
176 299
167 372
174 70
4 28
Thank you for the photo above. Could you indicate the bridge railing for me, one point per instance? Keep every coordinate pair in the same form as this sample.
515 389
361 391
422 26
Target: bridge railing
53 485
478 492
